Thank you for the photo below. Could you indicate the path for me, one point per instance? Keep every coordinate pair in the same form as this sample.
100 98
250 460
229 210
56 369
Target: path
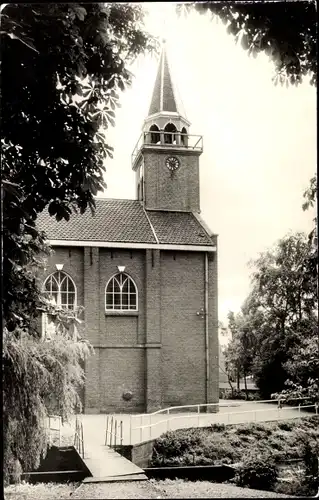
239 412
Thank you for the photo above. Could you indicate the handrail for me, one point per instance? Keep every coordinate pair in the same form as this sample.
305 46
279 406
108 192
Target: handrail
178 139
112 422
207 405
78 437
50 428
227 415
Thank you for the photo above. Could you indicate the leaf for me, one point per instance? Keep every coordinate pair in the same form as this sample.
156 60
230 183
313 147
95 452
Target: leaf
25 41
80 12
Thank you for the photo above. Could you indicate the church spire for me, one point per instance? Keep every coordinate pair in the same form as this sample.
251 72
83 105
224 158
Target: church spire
163 98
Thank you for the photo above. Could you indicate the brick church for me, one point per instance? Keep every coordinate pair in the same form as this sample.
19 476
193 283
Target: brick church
145 271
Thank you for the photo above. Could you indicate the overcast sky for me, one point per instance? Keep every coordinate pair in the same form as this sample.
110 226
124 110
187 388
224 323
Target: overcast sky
259 140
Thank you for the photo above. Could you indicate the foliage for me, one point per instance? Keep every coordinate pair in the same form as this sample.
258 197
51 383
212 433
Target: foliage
284 31
279 318
221 444
54 140
310 454
239 353
63 68
40 377
257 472
239 394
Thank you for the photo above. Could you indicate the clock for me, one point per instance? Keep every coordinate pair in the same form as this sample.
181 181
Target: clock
172 163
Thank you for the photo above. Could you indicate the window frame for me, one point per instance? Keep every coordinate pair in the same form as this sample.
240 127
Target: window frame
121 311
59 302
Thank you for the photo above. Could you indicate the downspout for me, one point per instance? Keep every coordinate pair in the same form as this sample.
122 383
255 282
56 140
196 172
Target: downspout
206 332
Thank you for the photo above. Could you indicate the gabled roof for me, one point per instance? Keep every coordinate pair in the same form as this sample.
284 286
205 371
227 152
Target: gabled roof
180 228
126 221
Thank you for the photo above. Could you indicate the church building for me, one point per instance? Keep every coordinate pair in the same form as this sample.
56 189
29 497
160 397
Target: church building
145 271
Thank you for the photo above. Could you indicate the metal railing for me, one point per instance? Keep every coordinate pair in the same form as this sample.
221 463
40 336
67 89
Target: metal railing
78 437
167 139
53 426
200 419
113 431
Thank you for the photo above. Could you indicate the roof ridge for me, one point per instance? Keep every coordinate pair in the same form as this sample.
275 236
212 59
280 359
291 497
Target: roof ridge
151 225
203 224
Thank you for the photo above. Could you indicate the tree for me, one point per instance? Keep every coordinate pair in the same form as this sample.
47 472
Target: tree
283 304
63 68
240 351
285 31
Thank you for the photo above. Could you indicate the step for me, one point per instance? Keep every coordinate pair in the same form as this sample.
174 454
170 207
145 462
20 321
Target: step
115 479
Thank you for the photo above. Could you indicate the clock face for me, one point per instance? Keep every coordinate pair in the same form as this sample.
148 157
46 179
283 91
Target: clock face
172 163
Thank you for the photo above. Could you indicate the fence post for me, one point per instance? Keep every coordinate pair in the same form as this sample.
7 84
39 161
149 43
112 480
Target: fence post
60 431
115 432
82 440
299 411
121 427
130 429
111 433
106 429
150 427
255 416
198 412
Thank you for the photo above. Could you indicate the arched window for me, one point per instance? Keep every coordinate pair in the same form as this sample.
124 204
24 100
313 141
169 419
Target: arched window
155 135
169 137
184 137
61 291
121 294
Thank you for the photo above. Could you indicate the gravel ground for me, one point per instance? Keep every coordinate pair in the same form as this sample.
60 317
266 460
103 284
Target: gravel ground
145 489
41 491
168 489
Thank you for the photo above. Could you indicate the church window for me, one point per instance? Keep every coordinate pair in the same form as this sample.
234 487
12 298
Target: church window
121 294
169 136
155 134
60 290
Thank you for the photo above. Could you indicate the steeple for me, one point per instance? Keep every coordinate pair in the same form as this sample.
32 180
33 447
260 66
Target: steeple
166 156
163 98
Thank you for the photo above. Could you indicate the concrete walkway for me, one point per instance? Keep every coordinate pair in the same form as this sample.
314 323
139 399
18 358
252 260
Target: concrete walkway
106 465
236 412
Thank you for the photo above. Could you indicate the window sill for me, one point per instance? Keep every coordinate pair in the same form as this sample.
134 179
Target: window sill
121 313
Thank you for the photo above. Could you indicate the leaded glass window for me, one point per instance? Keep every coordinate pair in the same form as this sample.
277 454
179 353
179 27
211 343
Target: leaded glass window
121 294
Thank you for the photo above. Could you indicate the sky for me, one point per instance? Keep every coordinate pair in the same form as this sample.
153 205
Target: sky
259 140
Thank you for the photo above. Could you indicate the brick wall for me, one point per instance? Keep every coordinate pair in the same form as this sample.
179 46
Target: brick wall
183 353
177 190
158 353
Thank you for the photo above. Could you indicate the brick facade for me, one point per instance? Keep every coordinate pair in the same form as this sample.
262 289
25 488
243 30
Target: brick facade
165 190
158 352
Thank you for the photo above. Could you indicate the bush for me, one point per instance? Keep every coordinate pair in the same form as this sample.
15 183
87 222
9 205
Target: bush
239 394
257 472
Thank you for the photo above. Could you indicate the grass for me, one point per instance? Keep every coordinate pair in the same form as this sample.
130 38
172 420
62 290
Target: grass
40 491
221 444
145 489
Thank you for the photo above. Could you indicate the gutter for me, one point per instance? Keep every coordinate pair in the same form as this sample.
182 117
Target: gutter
207 374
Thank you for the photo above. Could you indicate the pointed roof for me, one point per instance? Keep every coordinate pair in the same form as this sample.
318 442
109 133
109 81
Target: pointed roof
164 97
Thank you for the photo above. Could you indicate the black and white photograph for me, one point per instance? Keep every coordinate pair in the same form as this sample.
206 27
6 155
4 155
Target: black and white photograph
159 250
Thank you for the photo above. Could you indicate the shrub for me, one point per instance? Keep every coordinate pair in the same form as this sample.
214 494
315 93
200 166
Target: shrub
286 426
217 427
258 472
